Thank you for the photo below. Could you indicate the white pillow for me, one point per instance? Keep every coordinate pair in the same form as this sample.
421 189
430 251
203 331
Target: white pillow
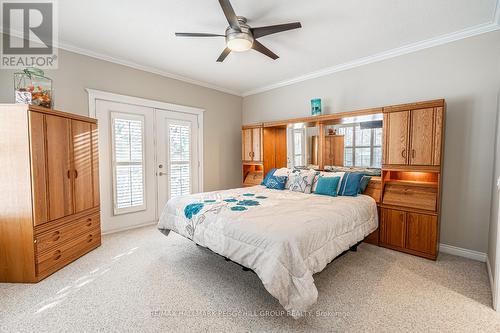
301 181
328 174
282 172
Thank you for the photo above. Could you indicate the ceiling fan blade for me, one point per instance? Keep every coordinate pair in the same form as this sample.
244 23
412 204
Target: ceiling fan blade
272 29
224 54
230 14
257 46
195 34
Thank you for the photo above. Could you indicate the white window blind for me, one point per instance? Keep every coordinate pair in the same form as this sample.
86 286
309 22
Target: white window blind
180 159
128 162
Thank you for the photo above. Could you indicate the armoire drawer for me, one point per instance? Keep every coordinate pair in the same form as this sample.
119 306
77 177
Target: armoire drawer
65 253
66 232
414 196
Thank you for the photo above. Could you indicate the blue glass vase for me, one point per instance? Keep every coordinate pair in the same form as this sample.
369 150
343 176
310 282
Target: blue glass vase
316 106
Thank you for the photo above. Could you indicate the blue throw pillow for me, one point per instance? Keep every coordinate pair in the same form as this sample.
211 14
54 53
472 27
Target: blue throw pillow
276 182
350 184
327 186
269 174
363 184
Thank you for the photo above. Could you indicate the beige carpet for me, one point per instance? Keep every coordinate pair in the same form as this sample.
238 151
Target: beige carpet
142 281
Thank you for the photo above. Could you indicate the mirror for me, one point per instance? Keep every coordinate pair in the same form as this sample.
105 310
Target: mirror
302 146
354 142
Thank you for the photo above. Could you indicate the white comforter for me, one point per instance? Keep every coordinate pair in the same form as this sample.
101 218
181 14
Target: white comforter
284 236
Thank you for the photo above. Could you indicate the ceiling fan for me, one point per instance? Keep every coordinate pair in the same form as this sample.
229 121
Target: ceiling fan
240 36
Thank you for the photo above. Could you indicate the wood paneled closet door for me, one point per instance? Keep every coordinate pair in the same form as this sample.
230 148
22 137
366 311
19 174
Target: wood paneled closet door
82 164
59 175
396 137
422 125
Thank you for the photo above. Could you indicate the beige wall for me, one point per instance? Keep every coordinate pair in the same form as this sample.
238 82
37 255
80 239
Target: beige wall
464 73
222 119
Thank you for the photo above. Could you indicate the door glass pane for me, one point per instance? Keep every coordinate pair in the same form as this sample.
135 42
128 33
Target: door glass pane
128 162
180 159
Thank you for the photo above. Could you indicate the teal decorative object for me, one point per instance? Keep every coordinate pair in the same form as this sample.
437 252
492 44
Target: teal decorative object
316 106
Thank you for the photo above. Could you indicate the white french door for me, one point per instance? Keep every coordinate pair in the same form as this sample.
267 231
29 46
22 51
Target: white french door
177 154
147 155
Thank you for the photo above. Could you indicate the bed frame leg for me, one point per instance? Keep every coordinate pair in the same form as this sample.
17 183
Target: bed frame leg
354 248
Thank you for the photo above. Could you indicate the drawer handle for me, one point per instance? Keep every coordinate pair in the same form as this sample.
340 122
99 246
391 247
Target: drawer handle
56 236
89 224
57 255
89 238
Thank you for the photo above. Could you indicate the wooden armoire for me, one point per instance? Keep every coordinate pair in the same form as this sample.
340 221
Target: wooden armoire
49 198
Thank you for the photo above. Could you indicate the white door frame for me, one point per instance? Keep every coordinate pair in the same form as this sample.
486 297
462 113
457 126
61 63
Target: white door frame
95 95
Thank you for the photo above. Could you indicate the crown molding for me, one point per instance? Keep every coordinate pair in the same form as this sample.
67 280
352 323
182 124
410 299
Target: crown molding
410 48
149 69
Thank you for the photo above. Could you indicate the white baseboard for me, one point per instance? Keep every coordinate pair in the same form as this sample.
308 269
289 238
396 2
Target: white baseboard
112 231
461 252
492 284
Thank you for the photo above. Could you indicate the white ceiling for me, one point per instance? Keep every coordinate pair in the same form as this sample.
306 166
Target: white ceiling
141 34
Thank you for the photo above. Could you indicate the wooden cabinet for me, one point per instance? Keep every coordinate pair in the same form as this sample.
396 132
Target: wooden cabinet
411 232
274 148
51 215
421 235
252 144
333 150
396 126
413 137
393 227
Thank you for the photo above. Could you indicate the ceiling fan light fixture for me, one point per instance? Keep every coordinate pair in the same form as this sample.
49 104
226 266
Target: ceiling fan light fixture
239 44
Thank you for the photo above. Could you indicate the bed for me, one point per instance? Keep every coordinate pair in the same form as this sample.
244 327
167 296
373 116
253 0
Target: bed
283 236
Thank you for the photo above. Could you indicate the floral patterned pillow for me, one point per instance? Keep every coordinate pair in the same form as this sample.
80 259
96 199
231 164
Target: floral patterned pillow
301 181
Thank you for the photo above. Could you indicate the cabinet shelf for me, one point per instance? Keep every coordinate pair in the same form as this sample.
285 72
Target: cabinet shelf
411 183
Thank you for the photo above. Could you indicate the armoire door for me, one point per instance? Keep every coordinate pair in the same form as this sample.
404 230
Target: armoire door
396 137
59 175
422 145
82 165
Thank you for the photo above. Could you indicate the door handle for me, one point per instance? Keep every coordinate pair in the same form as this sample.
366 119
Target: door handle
162 173
403 153
413 153
76 173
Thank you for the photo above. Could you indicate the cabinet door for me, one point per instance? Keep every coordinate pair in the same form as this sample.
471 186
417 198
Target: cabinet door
327 151
396 126
247 144
256 144
337 150
393 227
95 164
38 167
421 233
422 126
82 165
60 191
